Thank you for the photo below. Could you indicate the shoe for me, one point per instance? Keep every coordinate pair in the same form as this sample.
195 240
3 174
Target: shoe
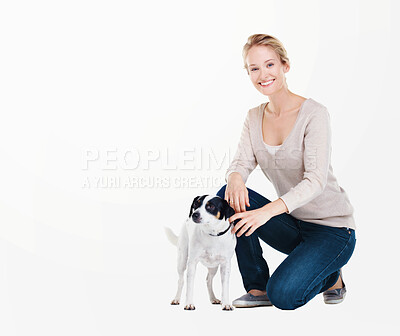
248 300
334 296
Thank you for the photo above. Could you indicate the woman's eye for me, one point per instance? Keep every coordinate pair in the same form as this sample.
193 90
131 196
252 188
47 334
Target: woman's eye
270 64
253 69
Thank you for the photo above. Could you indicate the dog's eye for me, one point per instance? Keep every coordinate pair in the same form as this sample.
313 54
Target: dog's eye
210 206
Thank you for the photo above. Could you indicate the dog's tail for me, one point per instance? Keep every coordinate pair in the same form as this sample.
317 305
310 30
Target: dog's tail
172 237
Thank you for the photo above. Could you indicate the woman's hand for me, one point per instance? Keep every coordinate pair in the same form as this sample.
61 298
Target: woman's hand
236 193
251 220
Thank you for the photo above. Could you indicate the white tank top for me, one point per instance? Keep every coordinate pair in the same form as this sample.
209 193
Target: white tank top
272 149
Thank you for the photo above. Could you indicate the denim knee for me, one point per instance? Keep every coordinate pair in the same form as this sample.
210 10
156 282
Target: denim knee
221 192
282 295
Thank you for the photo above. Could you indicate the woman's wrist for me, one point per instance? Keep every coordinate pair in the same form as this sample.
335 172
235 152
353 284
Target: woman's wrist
233 176
276 207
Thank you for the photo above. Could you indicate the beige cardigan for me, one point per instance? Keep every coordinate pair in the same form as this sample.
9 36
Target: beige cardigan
301 170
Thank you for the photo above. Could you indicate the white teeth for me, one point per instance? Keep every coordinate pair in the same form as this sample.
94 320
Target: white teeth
266 83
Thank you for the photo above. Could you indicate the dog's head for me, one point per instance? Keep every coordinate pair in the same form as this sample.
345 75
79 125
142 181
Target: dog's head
211 211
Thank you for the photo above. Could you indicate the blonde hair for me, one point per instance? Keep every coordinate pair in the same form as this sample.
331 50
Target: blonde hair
265 40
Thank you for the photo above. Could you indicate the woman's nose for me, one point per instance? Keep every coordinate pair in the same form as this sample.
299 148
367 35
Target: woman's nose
263 73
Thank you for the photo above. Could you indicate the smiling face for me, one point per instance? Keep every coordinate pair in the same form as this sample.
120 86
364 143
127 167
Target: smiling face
265 70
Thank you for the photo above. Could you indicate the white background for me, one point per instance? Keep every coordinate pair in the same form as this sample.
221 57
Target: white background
114 77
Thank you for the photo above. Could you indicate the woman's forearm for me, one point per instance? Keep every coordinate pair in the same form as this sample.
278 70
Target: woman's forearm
276 207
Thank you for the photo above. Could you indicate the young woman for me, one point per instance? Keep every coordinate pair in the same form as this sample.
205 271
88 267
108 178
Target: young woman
312 220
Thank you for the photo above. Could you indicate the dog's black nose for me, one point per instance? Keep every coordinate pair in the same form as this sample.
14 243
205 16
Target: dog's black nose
196 217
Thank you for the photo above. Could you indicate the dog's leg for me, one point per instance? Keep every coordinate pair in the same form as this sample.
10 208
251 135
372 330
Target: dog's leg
181 265
225 274
182 259
191 270
210 276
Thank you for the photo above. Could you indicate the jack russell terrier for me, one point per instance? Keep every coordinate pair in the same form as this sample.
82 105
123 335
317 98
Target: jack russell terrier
206 237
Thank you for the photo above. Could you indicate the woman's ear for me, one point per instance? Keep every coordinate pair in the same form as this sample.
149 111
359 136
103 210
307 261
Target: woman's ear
286 67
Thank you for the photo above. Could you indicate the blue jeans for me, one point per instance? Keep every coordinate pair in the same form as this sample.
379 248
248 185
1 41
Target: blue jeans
315 255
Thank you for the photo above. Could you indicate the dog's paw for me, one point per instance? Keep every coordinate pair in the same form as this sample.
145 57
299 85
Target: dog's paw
227 307
175 302
190 307
215 301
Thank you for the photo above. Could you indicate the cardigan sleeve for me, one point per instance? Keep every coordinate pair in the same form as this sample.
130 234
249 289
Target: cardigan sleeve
244 161
317 153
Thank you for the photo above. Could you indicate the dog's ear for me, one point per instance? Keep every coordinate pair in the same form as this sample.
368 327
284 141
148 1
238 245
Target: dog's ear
193 205
228 210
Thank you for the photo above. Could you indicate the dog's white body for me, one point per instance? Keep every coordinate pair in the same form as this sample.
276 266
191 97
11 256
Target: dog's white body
199 242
